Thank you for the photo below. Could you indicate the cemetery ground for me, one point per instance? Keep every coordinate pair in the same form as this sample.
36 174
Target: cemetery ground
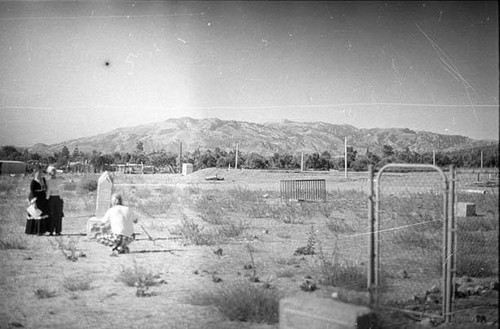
220 254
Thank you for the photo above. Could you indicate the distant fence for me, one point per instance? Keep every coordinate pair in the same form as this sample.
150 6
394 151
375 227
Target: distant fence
303 189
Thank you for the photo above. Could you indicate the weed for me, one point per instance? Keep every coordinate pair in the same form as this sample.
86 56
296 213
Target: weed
251 250
231 230
154 206
424 240
44 293
13 242
213 209
76 283
139 277
340 226
242 301
311 241
88 183
194 233
288 261
285 273
475 265
70 186
68 249
341 273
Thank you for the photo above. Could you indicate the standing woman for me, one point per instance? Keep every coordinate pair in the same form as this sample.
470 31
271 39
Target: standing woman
38 196
53 224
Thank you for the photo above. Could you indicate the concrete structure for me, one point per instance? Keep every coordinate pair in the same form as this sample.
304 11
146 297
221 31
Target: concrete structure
187 168
309 312
465 209
8 167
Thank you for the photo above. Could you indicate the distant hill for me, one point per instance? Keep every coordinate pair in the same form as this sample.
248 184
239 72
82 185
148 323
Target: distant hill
264 138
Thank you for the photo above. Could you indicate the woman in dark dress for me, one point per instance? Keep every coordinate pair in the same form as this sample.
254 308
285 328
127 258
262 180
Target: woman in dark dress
38 187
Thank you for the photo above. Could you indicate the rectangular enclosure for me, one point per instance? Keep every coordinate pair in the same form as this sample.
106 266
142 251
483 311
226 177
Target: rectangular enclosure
303 189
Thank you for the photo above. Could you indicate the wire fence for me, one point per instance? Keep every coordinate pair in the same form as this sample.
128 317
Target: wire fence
477 227
435 242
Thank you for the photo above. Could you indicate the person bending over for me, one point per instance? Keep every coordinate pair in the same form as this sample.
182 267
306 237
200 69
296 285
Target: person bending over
117 227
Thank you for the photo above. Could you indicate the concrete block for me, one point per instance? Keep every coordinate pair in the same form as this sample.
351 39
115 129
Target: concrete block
187 168
315 313
465 209
93 227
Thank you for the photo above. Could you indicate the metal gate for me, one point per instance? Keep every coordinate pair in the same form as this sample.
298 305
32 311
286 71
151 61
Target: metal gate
411 240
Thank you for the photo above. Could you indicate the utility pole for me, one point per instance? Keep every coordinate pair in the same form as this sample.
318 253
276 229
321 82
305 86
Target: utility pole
433 157
302 161
236 157
345 157
180 157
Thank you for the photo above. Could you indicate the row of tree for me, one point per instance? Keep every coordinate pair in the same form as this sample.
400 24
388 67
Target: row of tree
486 157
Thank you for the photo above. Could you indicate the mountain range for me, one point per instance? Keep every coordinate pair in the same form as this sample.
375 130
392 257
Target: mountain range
263 138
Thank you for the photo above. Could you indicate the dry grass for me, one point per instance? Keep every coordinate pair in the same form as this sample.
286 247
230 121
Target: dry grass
242 301
76 283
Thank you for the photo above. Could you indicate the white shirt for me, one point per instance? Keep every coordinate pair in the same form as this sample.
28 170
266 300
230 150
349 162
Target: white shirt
53 186
121 219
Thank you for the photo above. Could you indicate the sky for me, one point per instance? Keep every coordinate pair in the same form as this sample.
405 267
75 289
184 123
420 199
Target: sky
71 69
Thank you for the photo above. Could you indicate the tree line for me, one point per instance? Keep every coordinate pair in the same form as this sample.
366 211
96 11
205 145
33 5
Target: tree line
356 160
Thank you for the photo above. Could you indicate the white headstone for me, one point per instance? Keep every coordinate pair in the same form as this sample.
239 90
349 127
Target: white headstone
103 203
104 192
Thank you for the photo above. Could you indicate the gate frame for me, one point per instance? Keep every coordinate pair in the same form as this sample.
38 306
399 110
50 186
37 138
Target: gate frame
448 243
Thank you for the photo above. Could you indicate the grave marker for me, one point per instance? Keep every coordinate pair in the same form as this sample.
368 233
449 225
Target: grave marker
103 203
321 313
187 168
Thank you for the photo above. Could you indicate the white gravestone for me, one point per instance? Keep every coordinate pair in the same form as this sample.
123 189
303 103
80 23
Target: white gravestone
103 203
187 168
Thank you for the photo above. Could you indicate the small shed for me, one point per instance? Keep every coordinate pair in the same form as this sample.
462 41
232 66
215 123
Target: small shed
8 167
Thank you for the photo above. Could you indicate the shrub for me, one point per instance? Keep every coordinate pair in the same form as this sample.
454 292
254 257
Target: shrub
89 184
340 225
138 276
75 283
44 293
194 233
70 186
153 207
342 273
243 301
13 242
231 230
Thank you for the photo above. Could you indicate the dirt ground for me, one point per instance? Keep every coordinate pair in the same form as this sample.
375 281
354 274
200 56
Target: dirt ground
184 270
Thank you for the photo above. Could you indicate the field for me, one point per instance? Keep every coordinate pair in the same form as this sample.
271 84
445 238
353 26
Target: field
220 254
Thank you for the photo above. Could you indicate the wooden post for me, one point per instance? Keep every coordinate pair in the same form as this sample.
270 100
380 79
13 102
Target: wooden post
302 161
371 247
433 157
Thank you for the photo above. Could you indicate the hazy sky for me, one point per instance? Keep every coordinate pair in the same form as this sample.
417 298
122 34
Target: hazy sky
70 69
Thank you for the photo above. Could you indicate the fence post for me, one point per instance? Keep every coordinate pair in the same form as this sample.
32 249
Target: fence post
450 264
445 255
371 245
